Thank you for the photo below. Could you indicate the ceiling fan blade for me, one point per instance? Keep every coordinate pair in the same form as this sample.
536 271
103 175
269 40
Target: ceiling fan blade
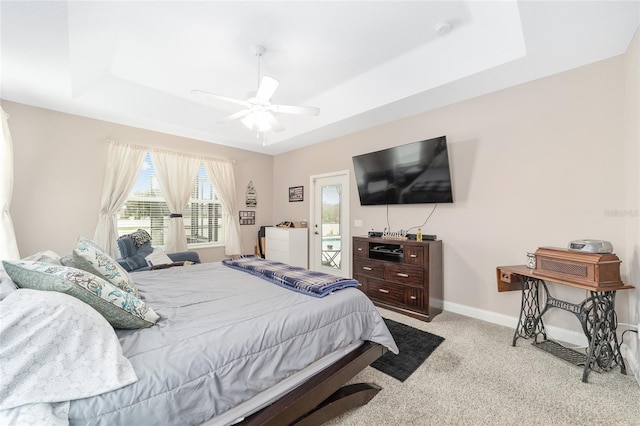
222 98
268 86
299 110
236 115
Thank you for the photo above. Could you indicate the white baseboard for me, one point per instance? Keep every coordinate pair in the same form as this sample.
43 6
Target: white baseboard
632 362
556 333
568 336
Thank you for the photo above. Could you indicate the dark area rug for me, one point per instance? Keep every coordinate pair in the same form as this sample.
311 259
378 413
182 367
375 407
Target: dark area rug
414 345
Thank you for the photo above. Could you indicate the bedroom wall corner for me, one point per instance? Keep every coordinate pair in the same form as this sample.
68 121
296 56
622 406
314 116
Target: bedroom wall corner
59 170
631 217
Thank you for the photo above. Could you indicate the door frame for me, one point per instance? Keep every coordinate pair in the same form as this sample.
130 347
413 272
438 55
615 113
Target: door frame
345 230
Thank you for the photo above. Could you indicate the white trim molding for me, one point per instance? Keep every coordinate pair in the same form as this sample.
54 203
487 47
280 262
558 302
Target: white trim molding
575 338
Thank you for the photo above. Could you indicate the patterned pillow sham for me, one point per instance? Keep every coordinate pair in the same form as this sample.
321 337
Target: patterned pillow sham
121 309
89 256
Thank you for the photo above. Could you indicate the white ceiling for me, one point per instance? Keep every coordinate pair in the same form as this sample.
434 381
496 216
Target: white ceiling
363 63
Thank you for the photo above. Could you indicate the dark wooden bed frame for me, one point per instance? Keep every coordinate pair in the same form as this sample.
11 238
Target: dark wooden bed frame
325 394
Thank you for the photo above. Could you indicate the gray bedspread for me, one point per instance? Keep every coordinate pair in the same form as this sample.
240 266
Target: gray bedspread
223 336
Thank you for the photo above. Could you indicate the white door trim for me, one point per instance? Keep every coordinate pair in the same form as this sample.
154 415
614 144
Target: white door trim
344 228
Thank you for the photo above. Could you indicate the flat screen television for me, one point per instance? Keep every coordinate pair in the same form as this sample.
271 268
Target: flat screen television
413 173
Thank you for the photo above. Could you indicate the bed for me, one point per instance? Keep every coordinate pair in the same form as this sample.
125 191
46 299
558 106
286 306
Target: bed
231 347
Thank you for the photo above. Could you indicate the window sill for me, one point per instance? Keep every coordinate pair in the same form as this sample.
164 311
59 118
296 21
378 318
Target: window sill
205 246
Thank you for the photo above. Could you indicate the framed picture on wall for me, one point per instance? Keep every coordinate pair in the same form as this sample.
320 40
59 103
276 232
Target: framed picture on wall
247 217
252 198
296 193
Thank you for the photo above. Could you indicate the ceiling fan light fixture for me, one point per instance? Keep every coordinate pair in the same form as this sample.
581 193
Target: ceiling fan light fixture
258 120
258 114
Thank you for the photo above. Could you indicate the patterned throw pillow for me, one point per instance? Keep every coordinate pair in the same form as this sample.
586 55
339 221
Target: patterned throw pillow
89 256
121 309
140 237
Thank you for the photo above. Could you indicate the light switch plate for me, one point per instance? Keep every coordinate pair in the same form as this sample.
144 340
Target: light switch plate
357 223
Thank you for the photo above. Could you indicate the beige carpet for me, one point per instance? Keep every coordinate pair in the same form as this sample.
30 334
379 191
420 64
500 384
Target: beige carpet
475 377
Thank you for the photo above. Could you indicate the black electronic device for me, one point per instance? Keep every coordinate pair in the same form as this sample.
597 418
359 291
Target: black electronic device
388 249
389 252
413 173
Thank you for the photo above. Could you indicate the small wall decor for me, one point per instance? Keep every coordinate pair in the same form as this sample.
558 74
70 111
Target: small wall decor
252 198
247 217
296 193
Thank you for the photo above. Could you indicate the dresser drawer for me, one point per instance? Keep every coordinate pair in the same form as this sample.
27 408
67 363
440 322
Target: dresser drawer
277 234
414 298
405 274
277 256
385 292
368 267
360 248
364 282
413 255
277 245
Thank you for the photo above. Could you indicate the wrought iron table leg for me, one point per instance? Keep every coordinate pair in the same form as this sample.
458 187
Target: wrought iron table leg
530 322
599 323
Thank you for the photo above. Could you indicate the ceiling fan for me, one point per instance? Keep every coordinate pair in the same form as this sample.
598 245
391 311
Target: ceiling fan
258 112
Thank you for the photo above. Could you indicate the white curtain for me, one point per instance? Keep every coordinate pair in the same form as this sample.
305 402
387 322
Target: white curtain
8 243
123 167
176 176
222 175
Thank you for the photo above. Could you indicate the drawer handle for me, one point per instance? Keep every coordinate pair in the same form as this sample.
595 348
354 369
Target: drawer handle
414 256
382 290
366 268
413 298
403 275
359 248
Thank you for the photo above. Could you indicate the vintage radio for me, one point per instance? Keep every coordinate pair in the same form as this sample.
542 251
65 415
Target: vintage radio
594 269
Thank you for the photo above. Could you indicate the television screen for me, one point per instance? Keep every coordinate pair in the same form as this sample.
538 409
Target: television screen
407 174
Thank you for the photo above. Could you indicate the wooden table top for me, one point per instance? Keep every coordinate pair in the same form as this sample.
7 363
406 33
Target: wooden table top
523 270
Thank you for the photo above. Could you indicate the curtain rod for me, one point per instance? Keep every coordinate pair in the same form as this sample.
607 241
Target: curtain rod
166 151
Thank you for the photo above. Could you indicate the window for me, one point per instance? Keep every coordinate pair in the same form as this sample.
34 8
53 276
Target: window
146 209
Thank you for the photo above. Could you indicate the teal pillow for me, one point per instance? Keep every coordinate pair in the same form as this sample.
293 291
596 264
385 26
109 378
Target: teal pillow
89 256
120 308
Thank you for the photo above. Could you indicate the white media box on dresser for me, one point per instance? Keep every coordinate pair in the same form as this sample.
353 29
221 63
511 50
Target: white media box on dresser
287 245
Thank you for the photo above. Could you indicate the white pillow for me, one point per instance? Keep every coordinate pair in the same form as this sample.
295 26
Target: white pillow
56 348
158 257
7 286
46 256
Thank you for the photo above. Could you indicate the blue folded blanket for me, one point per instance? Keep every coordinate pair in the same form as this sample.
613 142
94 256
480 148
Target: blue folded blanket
312 283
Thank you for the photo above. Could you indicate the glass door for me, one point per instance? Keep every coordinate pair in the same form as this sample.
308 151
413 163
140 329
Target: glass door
330 248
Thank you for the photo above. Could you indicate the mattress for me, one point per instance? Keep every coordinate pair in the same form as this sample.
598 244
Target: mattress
223 338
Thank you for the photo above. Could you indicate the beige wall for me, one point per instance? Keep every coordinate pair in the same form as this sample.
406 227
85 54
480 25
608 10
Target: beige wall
539 164
632 184
59 164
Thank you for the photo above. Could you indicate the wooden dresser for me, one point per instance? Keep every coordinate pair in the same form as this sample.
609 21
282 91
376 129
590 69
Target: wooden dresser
402 276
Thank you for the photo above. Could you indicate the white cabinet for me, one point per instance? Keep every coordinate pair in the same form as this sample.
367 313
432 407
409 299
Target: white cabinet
287 245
